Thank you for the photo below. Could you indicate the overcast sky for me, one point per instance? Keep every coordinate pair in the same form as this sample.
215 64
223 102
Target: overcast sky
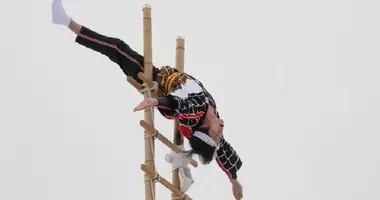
295 81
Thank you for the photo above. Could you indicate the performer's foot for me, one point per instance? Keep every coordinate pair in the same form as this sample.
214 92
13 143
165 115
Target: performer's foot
59 15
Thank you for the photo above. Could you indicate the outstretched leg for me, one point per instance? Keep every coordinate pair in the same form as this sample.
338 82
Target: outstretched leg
115 49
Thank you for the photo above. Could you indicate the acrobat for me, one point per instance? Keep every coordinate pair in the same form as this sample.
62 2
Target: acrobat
180 96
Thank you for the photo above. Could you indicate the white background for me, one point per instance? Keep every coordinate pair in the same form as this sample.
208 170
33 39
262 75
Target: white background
296 82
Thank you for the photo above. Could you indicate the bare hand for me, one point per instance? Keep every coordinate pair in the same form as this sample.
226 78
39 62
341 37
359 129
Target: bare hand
147 103
237 189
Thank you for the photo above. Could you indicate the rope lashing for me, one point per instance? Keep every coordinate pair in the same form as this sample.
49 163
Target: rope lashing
156 178
146 88
148 135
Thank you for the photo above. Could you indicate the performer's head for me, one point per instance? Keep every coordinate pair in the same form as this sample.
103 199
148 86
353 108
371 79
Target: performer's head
169 79
205 142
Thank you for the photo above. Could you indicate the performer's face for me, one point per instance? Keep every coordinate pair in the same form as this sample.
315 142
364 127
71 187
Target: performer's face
216 130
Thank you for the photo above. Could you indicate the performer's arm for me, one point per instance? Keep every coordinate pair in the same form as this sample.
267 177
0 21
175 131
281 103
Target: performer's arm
228 160
173 106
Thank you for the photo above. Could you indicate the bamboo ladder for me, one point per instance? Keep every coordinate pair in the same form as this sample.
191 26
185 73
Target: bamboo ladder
150 134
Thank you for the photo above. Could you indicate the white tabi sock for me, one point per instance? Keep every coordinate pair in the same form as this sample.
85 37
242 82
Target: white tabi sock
59 15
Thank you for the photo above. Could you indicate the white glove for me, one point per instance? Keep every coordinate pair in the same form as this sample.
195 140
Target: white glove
181 160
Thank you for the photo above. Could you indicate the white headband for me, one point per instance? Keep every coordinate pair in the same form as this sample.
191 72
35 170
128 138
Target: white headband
205 138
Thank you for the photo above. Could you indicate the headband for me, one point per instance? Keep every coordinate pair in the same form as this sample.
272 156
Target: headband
205 138
169 81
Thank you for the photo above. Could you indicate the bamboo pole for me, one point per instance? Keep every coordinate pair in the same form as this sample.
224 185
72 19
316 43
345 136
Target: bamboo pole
180 54
177 137
148 114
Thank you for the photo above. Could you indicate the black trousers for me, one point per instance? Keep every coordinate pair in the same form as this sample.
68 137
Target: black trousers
116 50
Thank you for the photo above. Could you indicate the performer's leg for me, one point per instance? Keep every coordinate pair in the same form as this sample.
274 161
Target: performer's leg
115 49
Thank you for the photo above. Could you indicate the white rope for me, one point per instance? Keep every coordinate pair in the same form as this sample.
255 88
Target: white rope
154 88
